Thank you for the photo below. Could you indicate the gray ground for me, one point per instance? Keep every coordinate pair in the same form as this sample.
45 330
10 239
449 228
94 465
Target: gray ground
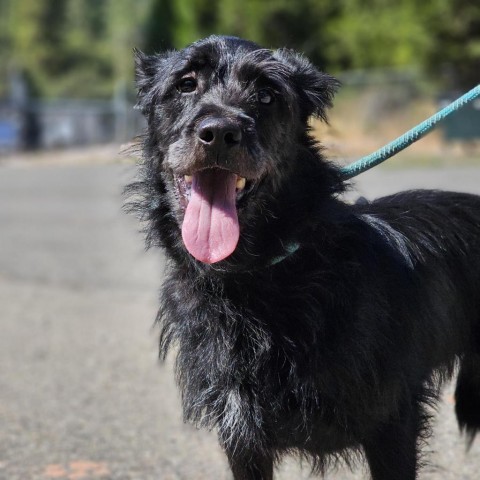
82 395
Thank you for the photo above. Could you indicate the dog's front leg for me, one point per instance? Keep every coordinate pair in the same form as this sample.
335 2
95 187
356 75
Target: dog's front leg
392 450
253 468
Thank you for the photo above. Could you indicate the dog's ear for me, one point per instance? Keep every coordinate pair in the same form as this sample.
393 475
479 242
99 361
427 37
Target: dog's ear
146 69
315 89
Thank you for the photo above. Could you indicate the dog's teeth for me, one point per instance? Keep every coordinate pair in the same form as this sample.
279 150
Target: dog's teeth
241 183
188 178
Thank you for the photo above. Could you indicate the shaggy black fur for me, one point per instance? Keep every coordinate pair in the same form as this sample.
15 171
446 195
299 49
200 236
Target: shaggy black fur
334 350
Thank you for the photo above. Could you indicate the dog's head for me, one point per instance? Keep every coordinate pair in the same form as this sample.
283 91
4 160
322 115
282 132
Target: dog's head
226 119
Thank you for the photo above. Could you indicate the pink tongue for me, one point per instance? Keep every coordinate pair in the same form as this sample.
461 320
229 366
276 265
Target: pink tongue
210 227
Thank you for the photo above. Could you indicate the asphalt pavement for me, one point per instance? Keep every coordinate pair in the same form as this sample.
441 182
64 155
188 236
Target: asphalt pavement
82 394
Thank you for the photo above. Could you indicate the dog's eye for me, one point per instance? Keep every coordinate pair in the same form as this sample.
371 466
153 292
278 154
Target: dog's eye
187 85
265 96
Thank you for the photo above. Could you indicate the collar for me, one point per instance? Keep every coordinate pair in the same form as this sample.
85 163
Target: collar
290 249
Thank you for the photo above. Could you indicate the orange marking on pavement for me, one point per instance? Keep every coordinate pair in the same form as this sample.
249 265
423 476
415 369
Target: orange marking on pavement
77 470
54 471
83 469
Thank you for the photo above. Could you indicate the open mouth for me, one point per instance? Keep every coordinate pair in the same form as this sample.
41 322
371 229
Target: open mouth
211 197
184 185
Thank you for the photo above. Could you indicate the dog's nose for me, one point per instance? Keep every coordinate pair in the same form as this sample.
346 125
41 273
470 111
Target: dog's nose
219 132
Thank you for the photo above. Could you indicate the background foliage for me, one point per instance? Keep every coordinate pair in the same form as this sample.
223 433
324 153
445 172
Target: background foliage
82 48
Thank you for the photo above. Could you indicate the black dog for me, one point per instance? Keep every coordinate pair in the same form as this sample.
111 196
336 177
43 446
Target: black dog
304 325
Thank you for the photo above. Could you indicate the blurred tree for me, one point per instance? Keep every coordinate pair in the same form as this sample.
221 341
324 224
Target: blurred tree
273 23
54 46
454 52
5 44
276 23
195 19
79 55
377 33
298 25
440 36
82 48
159 25
74 48
175 24
28 51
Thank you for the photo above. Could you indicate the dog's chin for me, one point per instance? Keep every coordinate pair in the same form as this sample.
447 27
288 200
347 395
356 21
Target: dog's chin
210 200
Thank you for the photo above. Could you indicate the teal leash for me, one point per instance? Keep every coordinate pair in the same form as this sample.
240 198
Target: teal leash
405 140
389 150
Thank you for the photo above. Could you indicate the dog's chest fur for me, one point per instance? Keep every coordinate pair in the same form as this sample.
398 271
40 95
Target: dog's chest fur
268 376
